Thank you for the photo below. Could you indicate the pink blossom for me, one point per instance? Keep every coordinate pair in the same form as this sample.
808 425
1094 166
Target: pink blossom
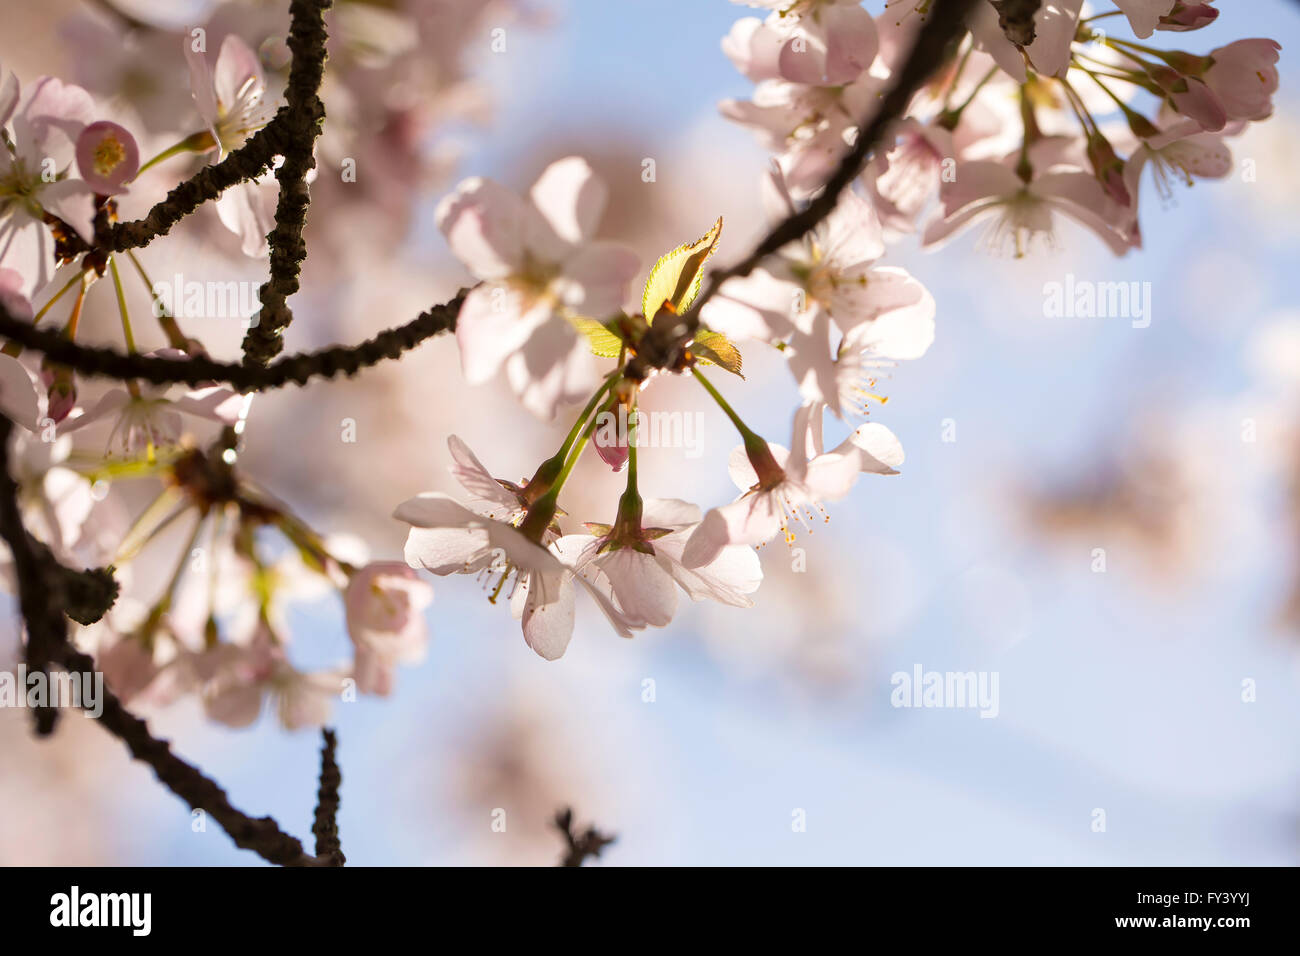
45 129
829 277
642 580
781 488
385 601
448 538
1144 15
1243 75
1055 24
815 42
149 420
237 679
231 100
1022 212
1188 16
539 266
108 157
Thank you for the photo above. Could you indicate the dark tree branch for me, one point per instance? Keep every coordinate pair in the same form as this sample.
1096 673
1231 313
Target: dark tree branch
199 370
38 592
300 122
326 827
262 835
663 346
291 133
579 846
39 595
244 164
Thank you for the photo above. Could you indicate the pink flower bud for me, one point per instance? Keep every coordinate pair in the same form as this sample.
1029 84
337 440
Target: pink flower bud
1188 16
1108 168
1192 98
613 453
61 389
1244 77
108 157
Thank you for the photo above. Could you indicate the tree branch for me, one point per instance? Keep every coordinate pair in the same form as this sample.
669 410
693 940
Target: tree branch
300 122
244 164
38 591
48 645
588 843
199 370
326 827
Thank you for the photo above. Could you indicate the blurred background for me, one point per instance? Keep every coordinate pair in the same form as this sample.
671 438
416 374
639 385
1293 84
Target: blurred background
1162 690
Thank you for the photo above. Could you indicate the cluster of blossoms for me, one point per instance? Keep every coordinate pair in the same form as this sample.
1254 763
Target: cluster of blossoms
549 307
69 153
1035 115
398 73
1032 115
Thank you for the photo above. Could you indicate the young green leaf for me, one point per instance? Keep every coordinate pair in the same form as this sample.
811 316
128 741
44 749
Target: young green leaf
714 348
676 277
605 343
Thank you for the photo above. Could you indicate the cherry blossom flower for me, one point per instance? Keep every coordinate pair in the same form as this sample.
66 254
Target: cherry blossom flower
1182 151
107 157
642 576
781 487
831 268
33 164
448 538
1243 75
146 420
385 601
231 99
904 179
230 95
816 42
1023 213
1055 24
829 279
55 500
238 680
538 266
1144 15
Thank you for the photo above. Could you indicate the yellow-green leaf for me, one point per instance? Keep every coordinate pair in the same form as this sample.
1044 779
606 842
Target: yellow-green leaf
604 342
676 277
714 348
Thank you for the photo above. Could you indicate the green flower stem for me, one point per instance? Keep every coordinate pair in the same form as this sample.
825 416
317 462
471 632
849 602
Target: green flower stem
150 626
175 337
132 385
746 432
756 449
149 523
542 511
548 471
199 142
